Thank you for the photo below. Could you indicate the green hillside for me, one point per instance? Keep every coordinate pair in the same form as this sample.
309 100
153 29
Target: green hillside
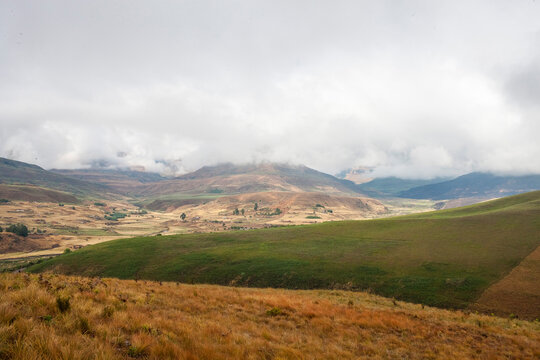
445 258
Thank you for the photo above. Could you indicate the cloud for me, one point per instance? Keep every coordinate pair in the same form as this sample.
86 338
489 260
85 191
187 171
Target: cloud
420 89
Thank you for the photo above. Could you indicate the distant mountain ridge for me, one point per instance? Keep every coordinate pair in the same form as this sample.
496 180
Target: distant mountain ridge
393 186
248 178
14 172
475 184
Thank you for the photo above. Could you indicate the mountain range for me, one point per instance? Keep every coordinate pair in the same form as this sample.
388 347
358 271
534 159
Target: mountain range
232 179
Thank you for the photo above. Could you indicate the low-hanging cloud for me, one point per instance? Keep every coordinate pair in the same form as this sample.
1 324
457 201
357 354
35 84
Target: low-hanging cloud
416 89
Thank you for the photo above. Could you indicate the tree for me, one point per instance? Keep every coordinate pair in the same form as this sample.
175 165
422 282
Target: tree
183 217
242 211
278 211
256 206
236 212
1 229
18 229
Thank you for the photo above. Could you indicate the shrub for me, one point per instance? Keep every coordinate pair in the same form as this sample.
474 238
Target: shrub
108 311
18 229
84 326
67 251
115 216
60 204
1 229
62 304
275 311
4 201
313 217
99 204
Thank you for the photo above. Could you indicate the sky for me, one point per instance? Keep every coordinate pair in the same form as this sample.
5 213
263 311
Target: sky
415 89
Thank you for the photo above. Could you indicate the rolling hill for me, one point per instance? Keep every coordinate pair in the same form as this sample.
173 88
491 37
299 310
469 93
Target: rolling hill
19 173
445 258
479 185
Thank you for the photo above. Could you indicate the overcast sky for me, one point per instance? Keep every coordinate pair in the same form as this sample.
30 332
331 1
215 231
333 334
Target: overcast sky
413 88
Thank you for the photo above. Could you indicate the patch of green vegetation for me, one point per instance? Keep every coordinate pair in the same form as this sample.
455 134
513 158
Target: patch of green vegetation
114 216
4 201
313 217
215 191
10 265
18 229
97 203
73 230
444 258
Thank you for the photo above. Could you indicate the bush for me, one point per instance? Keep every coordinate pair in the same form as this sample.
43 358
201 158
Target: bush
4 201
67 251
99 204
115 216
1 229
275 311
313 217
62 304
18 229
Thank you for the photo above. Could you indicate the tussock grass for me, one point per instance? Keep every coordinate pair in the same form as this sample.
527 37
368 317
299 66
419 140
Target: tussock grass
122 319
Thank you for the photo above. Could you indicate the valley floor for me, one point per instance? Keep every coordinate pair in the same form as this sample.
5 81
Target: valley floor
110 319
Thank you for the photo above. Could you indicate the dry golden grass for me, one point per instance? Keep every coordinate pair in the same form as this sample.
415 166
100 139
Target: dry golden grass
109 319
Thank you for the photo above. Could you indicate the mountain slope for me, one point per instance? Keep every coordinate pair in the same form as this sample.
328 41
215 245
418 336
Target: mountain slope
122 181
475 185
392 186
16 173
251 178
445 258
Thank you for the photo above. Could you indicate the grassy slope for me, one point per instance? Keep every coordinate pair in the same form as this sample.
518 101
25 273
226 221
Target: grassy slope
122 319
445 258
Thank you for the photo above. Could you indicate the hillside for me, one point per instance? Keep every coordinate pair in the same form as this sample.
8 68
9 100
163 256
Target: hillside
19 173
119 319
445 258
295 208
479 185
250 178
35 193
125 182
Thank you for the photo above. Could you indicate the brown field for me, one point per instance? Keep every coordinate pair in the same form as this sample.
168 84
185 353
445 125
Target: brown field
517 293
110 319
